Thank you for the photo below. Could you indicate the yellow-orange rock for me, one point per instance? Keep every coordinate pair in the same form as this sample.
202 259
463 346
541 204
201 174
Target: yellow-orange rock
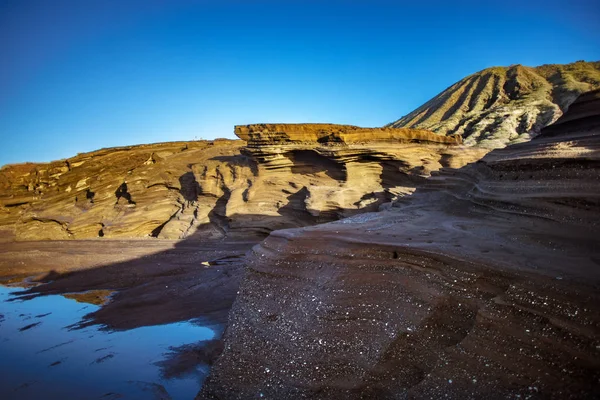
262 134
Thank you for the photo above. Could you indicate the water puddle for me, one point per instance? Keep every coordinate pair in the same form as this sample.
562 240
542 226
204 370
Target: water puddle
42 356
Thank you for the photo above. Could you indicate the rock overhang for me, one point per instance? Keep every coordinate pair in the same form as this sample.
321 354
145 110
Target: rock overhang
332 134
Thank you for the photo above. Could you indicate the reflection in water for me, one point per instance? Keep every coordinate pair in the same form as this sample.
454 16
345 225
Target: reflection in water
43 356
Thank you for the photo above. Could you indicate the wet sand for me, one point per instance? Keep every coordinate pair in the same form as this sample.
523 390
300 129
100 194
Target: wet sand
153 281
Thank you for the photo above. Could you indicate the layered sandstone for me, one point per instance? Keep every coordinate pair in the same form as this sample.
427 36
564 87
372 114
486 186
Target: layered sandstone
212 190
482 284
504 105
121 192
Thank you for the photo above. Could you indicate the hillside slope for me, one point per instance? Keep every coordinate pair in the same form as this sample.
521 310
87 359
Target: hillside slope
504 105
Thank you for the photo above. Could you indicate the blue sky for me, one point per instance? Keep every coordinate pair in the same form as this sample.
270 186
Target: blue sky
76 76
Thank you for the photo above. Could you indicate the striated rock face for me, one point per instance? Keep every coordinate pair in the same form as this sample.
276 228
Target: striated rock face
482 284
343 169
122 192
504 105
554 176
211 190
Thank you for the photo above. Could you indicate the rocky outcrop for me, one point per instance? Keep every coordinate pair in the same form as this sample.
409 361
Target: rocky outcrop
504 105
288 175
121 192
344 169
212 190
481 284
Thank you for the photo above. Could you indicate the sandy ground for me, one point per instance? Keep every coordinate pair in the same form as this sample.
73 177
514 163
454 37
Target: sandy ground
440 299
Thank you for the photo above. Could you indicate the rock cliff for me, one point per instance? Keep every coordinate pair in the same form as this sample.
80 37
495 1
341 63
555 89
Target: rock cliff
286 175
481 284
503 105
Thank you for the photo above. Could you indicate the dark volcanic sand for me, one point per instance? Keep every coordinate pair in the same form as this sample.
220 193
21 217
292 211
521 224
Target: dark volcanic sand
421 303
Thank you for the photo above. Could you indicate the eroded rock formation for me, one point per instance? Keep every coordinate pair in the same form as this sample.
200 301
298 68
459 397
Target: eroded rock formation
121 192
482 284
503 105
286 176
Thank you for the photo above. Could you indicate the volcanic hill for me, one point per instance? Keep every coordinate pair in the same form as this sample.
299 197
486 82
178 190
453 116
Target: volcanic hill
504 105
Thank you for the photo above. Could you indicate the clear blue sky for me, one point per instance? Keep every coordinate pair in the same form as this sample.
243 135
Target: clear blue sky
79 75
